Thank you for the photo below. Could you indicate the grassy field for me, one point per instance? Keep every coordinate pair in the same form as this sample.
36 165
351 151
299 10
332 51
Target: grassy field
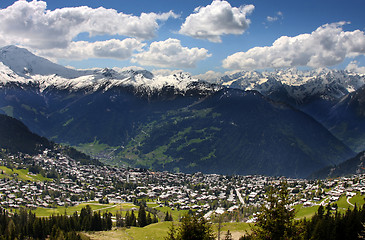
158 231
305 212
237 229
22 174
154 231
46 212
342 204
358 199
123 208
112 208
176 214
93 148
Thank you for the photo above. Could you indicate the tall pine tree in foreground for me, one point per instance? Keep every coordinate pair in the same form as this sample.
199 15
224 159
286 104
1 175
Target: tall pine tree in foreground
192 227
142 218
276 218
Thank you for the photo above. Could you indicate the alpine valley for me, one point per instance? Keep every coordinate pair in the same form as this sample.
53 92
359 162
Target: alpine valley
288 123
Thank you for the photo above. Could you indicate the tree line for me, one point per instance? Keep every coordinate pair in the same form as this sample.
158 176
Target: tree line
276 221
330 224
143 218
25 225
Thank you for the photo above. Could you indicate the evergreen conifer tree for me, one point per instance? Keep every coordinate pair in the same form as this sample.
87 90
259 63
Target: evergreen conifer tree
142 218
133 219
155 219
276 218
127 219
119 220
192 228
149 218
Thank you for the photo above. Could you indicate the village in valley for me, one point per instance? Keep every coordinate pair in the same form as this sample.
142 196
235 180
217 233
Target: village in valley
53 180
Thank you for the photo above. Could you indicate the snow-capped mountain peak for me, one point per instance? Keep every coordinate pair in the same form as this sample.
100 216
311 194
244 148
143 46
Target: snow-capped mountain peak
20 65
298 84
25 63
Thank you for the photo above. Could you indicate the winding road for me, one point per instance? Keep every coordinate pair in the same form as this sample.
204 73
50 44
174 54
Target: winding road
348 201
240 197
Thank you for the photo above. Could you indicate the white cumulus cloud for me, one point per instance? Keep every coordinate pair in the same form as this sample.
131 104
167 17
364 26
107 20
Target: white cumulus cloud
171 54
353 66
31 24
328 45
210 76
217 19
213 76
114 48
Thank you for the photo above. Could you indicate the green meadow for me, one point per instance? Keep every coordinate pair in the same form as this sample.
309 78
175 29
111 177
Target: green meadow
158 231
21 174
176 214
342 204
112 208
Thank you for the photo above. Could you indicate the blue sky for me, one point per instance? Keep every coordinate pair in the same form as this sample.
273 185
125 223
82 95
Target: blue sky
190 35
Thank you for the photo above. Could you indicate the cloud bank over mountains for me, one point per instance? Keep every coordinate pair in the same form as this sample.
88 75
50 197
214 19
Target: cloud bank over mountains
328 45
31 24
113 48
170 53
52 33
353 66
81 33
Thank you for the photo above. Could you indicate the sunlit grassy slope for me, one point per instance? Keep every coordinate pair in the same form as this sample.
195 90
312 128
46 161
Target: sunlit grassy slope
21 174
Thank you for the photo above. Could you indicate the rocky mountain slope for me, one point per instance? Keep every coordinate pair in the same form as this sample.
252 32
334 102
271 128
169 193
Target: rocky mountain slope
297 86
37 71
16 137
355 165
230 131
167 123
319 93
346 119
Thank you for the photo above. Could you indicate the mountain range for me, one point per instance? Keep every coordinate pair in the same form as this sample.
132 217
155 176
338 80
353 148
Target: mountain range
335 98
180 123
297 86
